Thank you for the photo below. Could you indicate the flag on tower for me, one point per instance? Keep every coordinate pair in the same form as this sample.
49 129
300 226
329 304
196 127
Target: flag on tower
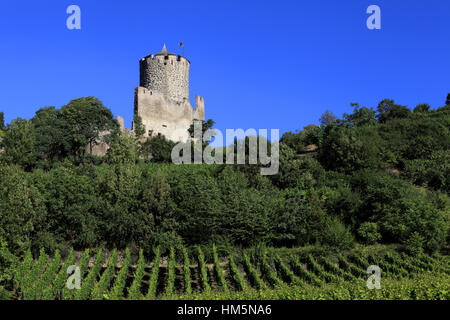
181 45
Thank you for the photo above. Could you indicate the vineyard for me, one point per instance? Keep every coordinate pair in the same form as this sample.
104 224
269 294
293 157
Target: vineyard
254 274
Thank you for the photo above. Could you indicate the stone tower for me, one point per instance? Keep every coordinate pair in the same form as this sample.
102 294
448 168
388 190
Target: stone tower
162 98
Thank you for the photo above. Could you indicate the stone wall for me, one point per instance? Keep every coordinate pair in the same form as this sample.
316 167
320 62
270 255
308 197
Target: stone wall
166 74
165 117
100 148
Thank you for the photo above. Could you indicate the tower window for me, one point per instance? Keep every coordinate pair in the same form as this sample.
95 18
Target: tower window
165 126
150 133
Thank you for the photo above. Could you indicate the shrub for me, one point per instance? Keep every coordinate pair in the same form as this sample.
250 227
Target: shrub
336 235
368 231
348 149
400 209
123 151
414 244
21 209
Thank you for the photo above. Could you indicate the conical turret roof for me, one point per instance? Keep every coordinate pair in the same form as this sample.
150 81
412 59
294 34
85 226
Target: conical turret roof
164 50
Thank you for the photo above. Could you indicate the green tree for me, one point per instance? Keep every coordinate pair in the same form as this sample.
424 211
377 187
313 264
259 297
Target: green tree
199 206
119 193
312 135
417 136
19 142
339 199
158 207
360 116
71 203
387 109
21 209
49 134
336 235
2 121
291 225
157 148
248 212
324 229
206 125
414 244
293 140
123 150
138 126
368 232
348 149
8 265
423 107
304 173
447 102
328 118
399 209
83 120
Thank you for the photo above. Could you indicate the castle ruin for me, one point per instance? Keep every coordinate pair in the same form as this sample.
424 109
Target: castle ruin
162 98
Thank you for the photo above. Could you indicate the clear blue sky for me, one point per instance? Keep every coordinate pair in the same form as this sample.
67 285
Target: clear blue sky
259 64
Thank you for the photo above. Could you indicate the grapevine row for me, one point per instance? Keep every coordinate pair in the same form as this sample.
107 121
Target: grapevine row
267 271
33 275
187 272
235 275
286 274
55 288
135 290
218 272
318 269
153 282
304 274
46 278
119 285
252 274
88 283
202 269
102 285
171 273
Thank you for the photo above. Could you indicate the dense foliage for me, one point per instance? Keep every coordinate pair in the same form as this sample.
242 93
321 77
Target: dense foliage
374 176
